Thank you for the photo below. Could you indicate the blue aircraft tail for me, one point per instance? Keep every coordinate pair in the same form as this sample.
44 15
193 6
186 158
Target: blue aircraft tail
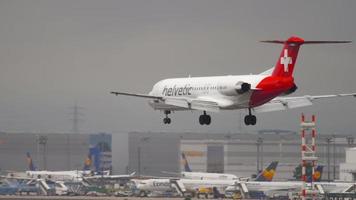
185 163
30 164
268 173
95 157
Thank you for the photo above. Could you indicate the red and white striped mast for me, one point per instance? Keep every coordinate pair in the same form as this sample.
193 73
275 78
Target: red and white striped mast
308 153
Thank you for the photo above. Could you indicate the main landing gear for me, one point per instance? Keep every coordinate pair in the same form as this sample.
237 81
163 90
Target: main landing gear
167 120
204 119
250 119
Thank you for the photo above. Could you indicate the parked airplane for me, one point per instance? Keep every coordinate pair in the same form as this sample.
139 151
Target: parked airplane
259 93
266 175
75 175
186 184
71 175
287 186
189 174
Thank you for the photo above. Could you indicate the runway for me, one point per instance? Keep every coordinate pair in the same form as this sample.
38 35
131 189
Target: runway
78 197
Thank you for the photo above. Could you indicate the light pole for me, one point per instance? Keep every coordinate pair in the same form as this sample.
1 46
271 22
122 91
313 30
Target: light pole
43 141
141 141
328 141
350 141
259 144
334 156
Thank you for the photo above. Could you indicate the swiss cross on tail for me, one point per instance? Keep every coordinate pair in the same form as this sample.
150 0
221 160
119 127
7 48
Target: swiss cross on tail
285 60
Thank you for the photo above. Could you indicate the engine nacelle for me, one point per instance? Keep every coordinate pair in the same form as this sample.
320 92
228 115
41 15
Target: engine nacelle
243 87
233 90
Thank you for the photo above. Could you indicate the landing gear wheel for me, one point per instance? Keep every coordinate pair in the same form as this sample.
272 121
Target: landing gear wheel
201 119
207 120
167 120
253 120
247 120
204 119
250 120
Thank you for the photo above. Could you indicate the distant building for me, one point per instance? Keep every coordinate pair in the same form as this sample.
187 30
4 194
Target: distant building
240 154
348 168
51 151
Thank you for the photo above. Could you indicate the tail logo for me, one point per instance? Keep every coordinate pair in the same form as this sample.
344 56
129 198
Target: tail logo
317 175
286 60
268 174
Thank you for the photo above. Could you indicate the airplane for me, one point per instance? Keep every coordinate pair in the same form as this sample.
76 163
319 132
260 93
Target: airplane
266 175
189 174
186 184
86 174
287 186
71 175
263 92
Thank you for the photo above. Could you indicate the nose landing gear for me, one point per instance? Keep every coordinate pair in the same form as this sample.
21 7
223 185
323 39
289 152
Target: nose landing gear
167 120
204 119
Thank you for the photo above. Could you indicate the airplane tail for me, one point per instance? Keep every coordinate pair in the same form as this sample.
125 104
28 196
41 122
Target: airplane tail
88 163
317 174
185 163
96 154
268 173
30 164
288 57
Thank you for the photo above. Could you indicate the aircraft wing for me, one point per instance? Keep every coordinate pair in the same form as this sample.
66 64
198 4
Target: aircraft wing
136 95
284 103
193 104
183 102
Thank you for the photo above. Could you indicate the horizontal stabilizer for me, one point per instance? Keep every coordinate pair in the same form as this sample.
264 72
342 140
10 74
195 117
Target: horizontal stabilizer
284 103
307 41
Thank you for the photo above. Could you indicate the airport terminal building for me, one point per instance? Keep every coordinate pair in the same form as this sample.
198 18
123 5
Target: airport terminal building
52 151
240 154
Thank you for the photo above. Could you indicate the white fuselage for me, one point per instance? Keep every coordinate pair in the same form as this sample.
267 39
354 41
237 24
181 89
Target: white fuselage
219 89
208 176
75 175
291 185
191 184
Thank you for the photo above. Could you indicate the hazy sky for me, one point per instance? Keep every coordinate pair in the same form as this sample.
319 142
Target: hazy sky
54 54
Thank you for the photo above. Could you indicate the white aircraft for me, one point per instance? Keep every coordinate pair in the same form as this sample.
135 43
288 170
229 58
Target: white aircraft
190 185
266 175
197 180
272 187
259 93
70 175
189 174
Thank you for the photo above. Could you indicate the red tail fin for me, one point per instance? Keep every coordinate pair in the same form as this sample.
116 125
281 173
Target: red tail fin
288 57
